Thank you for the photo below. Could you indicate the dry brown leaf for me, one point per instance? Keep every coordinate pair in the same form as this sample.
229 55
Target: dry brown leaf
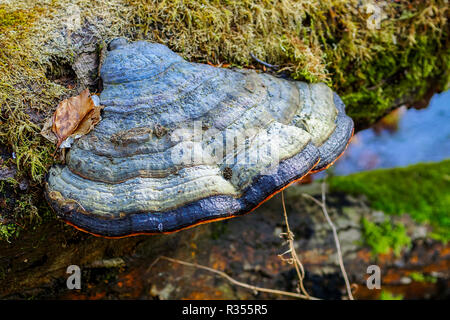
70 113
89 121
47 132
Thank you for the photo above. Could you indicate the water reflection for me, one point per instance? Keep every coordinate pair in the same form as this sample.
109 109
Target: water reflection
420 136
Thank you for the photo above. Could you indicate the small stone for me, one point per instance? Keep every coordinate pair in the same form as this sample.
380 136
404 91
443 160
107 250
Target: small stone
419 232
378 216
23 185
247 266
405 280
436 274
6 173
108 263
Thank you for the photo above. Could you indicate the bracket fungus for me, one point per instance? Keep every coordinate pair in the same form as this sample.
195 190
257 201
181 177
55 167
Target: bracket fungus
181 143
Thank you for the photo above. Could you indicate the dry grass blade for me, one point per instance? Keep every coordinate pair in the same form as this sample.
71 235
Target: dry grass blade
295 260
335 235
234 281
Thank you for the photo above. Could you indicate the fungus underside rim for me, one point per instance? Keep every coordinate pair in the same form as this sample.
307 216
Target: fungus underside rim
200 222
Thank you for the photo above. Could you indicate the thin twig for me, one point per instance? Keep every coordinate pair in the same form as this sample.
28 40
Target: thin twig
268 65
290 238
233 281
335 235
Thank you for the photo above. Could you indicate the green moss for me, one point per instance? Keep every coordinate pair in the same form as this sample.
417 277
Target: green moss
8 232
372 69
20 210
384 236
386 295
11 19
420 277
422 191
24 89
227 31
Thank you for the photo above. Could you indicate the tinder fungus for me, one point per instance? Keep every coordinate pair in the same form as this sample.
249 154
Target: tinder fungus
183 143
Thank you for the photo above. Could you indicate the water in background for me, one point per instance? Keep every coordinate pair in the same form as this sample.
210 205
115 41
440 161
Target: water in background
422 136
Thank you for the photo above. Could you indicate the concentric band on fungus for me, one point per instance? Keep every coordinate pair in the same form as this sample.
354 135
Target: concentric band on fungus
122 179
